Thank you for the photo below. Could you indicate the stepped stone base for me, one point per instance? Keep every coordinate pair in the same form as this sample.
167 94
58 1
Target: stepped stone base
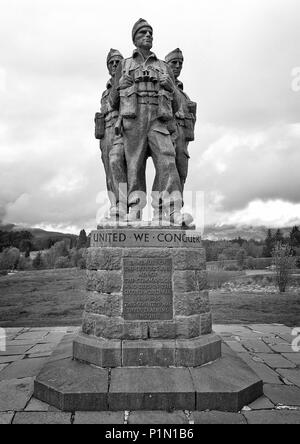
228 384
153 353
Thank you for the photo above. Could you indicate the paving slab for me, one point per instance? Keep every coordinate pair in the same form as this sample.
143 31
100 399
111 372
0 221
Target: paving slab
99 418
15 350
32 336
15 394
273 417
22 369
256 346
217 418
9 359
6 418
151 389
282 348
287 337
276 361
42 418
42 348
52 338
35 405
266 374
157 418
270 328
236 346
293 357
262 403
291 375
232 329
283 395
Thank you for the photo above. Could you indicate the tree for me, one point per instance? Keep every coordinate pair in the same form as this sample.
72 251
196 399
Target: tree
9 259
60 249
279 237
295 237
26 247
62 262
222 260
83 240
38 262
241 258
284 262
269 245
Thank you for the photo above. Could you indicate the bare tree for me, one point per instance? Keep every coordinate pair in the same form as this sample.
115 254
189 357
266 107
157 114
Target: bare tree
284 262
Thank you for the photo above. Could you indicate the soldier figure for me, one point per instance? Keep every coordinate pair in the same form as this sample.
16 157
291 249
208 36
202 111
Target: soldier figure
111 146
185 117
144 94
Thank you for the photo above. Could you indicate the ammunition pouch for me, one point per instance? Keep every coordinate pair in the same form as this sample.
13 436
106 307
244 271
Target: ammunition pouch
99 126
111 119
128 102
165 109
189 129
171 125
192 107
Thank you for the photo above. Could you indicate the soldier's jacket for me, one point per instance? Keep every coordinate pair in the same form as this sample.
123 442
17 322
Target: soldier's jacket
146 88
186 115
110 115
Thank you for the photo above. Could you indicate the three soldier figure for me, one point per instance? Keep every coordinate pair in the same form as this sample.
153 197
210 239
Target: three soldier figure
144 112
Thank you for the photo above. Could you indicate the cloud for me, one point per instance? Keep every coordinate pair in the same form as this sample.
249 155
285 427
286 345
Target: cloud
239 56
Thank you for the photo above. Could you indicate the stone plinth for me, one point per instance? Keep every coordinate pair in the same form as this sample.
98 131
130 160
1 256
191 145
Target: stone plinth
148 301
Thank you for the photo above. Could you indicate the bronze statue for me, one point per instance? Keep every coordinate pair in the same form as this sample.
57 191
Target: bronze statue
138 121
144 94
111 146
185 116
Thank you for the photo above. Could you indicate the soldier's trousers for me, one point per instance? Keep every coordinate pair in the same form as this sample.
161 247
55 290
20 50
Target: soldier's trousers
144 137
113 158
182 155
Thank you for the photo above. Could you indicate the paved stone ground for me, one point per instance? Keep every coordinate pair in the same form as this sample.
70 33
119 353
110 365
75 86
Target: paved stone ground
266 348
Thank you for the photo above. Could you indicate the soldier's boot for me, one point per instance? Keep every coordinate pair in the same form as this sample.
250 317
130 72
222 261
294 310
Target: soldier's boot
118 212
135 215
181 220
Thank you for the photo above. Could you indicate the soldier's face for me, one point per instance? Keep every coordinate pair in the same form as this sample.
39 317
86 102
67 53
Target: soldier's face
144 38
113 65
176 66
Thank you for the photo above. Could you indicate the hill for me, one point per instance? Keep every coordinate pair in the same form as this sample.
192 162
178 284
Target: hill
229 232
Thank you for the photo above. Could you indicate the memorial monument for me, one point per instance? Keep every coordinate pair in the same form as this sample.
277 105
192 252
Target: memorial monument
146 341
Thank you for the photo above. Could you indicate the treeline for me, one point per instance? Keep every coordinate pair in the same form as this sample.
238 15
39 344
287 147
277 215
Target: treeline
26 242
62 254
252 253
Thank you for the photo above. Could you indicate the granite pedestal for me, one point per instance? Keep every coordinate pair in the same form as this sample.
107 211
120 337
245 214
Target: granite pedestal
147 331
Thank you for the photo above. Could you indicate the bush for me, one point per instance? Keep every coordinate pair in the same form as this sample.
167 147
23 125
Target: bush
62 262
38 262
9 259
24 264
284 262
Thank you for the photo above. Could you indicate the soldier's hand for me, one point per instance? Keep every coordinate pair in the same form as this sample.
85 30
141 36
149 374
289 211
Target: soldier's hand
166 83
125 82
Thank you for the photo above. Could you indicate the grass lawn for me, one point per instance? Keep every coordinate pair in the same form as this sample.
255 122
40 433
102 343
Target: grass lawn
48 298
56 298
254 308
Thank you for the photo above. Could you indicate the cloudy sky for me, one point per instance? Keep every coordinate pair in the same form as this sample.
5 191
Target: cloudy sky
241 59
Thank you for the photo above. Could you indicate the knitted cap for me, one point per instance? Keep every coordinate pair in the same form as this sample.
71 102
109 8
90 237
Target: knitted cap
141 23
176 54
114 53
